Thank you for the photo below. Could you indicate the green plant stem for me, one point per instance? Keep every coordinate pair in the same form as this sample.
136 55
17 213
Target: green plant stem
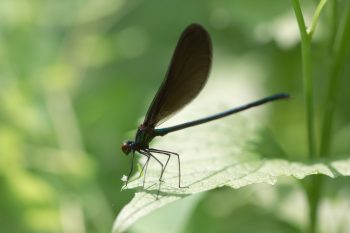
307 76
334 26
316 16
314 193
341 49
313 188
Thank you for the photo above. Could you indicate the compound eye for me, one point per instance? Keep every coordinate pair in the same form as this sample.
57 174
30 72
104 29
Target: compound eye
126 148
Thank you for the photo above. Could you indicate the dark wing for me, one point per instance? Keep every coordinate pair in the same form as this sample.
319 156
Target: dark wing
186 76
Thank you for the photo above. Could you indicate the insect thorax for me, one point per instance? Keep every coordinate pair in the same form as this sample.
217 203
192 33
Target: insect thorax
144 136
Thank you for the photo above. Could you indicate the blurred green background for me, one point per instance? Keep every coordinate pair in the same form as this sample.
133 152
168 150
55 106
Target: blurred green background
76 76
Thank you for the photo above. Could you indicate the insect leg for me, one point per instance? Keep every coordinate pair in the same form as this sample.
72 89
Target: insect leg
131 169
151 155
178 161
145 166
166 163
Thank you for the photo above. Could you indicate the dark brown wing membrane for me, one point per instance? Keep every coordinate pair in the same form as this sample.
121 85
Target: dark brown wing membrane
186 76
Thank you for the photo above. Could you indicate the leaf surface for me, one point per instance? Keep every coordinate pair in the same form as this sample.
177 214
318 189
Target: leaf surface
212 156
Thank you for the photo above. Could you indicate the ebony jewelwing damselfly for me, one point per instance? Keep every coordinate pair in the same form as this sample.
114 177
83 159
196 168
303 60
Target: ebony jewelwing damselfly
186 76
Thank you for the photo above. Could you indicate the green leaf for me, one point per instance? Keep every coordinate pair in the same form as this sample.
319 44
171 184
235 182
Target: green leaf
215 155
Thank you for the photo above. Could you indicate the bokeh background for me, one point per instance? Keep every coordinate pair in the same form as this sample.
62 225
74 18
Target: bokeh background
77 76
